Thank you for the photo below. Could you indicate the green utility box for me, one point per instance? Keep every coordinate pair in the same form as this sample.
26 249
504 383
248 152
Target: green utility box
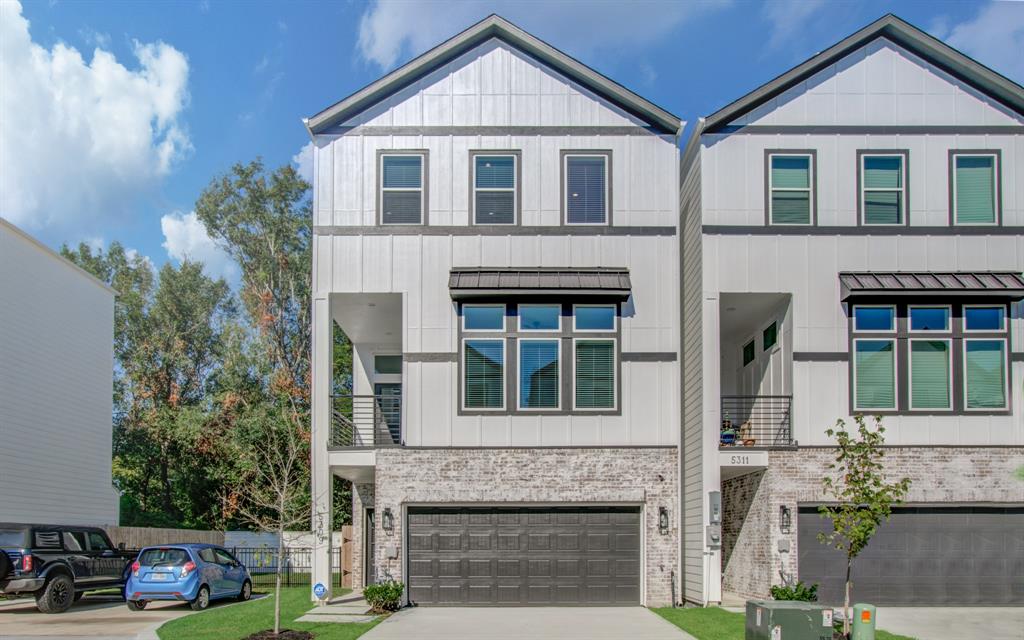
786 620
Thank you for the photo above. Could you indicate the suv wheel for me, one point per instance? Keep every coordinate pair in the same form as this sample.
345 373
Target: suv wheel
57 595
202 599
136 605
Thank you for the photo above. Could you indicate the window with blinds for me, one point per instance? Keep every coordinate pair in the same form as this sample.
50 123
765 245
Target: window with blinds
494 189
930 374
985 374
791 184
595 374
874 374
883 189
974 188
401 184
539 374
586 189
483 371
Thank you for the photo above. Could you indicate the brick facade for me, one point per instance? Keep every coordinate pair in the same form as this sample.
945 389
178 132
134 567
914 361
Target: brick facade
644 476
751 503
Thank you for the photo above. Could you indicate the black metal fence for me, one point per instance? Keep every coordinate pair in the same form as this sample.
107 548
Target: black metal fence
757 421
366 421
296 565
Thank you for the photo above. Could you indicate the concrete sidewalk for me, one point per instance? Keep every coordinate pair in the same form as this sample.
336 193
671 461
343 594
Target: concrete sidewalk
954 623
348 608
535 623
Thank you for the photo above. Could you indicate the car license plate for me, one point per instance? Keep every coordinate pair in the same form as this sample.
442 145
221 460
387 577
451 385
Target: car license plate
159 577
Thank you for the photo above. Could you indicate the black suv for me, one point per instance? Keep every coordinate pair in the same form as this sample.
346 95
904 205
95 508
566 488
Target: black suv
58 564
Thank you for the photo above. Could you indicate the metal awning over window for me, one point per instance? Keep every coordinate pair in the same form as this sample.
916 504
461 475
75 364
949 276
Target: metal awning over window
989 284
603 282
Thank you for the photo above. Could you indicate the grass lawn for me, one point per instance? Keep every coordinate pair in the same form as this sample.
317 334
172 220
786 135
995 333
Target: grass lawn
233 622
718 624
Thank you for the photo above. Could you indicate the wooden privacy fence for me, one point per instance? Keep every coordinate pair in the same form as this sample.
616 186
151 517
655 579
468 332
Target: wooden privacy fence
138 537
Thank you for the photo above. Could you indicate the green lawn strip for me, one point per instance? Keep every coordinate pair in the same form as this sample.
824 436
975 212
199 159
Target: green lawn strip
714 623
233 622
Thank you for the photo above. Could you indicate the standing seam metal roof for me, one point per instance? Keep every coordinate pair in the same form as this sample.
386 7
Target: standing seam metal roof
992 283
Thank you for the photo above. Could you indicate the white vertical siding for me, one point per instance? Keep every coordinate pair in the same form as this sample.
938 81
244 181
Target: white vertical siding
56 372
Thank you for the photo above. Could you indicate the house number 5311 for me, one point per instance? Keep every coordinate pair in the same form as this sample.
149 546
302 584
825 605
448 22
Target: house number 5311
739 460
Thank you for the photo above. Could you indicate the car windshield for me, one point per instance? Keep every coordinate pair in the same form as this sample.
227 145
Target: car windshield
163 557
10 538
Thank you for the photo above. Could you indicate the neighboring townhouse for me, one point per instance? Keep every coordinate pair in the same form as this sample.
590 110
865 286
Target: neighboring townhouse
56 387
495 230
852 238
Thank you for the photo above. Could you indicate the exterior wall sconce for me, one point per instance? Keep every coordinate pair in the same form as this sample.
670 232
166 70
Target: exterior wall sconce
663 521
785 519
388 521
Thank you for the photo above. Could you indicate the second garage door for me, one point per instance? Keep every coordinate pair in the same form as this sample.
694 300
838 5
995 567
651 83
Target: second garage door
924 555
524 556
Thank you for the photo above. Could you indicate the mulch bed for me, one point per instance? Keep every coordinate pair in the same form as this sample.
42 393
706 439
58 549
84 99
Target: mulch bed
286 634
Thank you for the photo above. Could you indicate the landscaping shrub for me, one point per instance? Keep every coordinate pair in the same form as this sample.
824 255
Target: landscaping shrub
384 596
799 591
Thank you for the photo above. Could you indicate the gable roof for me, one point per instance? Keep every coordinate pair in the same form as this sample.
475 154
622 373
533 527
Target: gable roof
494 26
998 87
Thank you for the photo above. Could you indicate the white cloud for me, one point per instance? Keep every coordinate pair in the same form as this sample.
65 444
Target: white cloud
81 139
185 238
391 29
788 18
994 37
303 161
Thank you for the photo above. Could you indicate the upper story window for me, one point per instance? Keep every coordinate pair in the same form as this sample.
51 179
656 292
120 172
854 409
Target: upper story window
984 318
883 181
402 193
586 192
790 188
874 318
558 366
929 318
495 186
770 336
749 353
975 187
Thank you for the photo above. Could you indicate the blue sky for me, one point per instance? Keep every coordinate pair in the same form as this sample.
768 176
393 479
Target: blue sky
114 115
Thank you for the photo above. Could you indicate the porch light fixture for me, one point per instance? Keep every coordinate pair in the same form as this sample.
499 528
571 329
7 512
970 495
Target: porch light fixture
388 521
785 519
663 521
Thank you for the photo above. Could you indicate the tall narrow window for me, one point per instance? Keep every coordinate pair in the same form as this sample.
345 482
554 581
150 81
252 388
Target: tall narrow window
749 353
494 189
770 336
539 375
401 185
586 189
484 374
791 185
874 369
883 189
985 374
975 188
595 374
930 374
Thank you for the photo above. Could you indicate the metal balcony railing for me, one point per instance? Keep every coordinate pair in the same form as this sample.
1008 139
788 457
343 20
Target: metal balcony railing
757 421
366 421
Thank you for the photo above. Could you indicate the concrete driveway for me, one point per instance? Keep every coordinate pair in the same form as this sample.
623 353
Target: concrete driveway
516 623
954 623
91 618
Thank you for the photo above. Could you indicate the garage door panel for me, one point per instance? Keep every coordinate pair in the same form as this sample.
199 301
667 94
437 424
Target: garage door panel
924 555
524 556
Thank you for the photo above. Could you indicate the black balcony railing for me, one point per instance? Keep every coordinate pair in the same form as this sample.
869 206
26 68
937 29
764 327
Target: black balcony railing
757 421
366 421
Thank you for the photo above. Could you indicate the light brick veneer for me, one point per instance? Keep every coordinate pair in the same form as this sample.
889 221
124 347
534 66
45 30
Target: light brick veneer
641 476
952 475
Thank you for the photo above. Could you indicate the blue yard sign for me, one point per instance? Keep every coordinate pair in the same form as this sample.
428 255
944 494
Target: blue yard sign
319 590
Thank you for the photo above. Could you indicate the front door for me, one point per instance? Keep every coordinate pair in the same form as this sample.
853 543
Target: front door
370 563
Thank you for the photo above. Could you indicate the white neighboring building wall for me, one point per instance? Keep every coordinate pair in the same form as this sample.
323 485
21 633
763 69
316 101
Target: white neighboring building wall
56 387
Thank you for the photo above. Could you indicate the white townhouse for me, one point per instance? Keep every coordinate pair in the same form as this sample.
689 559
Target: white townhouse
56 387
852 238
495 230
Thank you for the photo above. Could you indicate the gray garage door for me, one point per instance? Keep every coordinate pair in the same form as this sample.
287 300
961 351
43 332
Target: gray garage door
524 556
937 556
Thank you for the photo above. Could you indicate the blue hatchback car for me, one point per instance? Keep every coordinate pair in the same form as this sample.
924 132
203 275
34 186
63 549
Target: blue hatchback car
193 573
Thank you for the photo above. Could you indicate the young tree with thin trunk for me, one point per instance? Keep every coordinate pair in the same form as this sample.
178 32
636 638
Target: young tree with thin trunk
863 498
271 494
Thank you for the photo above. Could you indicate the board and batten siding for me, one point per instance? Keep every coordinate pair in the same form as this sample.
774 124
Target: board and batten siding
692 463
494 97
56 377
